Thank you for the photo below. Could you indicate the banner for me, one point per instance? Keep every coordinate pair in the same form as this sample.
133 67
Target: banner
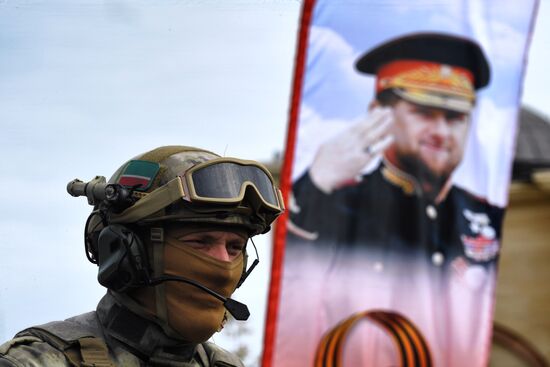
396 174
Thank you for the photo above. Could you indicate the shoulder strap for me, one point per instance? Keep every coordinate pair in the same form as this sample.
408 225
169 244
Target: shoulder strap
203 356
77 342
95 353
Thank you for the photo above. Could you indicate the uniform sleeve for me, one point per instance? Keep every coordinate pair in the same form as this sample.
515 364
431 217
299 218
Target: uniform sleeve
317 216
29 351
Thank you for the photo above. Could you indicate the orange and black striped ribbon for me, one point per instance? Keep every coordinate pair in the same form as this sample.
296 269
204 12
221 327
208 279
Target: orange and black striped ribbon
411 346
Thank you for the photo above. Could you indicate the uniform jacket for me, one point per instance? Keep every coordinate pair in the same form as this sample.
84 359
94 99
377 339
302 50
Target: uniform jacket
109 336
387 213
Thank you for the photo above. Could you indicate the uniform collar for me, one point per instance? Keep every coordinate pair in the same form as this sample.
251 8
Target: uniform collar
141 336
408 183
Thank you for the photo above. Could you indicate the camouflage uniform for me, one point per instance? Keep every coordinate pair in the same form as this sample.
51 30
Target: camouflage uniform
109 336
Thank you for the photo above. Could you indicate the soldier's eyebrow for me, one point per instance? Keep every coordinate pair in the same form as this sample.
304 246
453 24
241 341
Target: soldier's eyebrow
206 237
237 241
455 115
425 110
450 115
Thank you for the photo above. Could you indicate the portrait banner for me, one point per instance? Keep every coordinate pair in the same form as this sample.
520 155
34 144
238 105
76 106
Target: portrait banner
400 145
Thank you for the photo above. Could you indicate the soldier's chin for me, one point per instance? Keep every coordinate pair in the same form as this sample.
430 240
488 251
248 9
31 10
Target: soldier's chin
439 166
432 173
437 173
435 180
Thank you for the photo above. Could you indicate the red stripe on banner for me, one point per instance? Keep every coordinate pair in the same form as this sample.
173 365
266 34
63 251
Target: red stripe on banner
286 184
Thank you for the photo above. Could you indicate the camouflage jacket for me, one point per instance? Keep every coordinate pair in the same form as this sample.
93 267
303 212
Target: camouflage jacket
110 336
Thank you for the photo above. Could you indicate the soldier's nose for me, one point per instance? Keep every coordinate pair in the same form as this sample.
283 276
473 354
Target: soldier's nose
219 251
440 124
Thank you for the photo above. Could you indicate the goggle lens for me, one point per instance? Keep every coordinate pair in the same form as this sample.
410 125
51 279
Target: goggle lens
225 180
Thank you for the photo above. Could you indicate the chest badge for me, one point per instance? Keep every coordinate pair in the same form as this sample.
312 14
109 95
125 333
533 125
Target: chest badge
482 244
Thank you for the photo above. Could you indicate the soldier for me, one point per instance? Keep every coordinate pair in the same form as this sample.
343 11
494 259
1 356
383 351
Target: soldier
425 92
169 233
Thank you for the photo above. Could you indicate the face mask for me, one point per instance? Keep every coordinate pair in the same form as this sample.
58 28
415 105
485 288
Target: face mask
192 313
183 311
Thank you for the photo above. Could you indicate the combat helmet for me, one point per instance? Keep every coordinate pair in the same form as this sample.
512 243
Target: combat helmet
178 183
174 184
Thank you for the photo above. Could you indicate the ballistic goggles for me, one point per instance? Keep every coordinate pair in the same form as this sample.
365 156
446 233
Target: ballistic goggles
221 182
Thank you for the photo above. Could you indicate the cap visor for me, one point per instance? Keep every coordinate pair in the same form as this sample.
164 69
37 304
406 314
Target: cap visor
430 99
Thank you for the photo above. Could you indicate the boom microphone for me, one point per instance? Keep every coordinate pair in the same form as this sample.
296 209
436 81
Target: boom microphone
237 309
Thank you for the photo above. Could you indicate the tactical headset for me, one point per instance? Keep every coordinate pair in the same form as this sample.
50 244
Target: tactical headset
121 258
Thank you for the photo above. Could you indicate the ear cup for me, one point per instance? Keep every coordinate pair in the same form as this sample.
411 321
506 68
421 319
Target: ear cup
122 259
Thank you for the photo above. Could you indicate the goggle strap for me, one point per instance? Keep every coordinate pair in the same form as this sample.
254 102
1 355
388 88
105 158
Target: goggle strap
152 203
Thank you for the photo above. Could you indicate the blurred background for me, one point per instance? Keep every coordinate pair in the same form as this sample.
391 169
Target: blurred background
85 85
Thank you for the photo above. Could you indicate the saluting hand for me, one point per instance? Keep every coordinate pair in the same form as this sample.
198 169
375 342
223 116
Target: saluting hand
342 158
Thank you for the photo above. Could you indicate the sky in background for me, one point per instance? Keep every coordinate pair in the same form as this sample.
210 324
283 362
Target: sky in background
86 85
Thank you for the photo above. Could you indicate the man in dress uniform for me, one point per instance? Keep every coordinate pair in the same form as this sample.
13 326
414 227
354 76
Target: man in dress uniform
398 237
169 233
426 88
